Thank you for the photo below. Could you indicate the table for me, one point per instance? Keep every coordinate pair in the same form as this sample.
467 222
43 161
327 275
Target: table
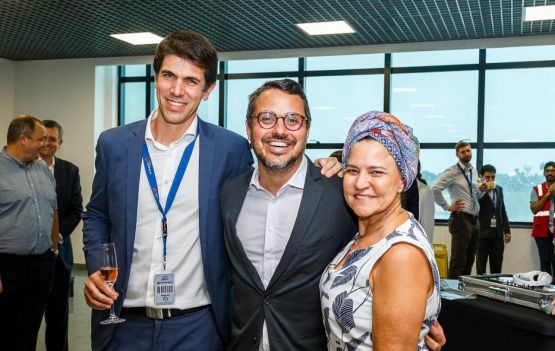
486 324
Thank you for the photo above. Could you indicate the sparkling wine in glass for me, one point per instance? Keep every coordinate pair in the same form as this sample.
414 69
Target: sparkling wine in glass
109 273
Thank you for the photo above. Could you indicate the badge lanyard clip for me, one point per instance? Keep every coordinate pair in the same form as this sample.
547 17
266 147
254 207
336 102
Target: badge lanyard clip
151 176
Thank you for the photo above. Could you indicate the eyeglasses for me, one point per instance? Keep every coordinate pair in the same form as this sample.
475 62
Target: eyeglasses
268 119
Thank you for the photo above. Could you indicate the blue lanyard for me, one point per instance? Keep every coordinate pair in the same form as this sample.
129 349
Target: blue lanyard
149 170
469 181
493 198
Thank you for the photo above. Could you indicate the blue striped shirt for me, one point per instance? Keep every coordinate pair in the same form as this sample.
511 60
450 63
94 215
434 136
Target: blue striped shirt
27 205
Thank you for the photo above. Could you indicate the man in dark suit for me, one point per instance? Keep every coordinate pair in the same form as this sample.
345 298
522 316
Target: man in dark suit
70 206
283 223
138 167
494 224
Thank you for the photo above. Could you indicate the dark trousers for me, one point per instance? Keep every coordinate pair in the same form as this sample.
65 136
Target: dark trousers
57 311
491 248
545 251
27 282
464 231
190 332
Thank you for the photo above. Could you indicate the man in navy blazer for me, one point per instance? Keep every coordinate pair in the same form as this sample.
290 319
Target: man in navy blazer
135 165
70 206
495 231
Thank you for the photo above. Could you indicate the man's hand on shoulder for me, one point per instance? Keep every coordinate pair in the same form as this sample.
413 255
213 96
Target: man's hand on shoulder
329 167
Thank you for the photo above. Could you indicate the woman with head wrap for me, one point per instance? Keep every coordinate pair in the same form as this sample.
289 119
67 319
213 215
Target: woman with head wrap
382 290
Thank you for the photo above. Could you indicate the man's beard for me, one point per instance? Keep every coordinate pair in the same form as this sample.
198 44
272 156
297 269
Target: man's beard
279 166
466 159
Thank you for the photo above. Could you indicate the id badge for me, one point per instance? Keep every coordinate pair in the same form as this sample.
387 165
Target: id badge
164 288
493 223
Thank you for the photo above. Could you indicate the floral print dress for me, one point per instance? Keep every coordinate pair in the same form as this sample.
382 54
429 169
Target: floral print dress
347 298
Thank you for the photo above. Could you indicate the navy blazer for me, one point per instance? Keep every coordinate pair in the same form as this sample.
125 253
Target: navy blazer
112 211
290 304
485 214
70 205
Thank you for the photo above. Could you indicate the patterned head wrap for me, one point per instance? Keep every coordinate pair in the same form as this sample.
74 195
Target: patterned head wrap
391 133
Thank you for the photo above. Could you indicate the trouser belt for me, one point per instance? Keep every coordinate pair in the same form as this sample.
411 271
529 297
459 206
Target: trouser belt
160 313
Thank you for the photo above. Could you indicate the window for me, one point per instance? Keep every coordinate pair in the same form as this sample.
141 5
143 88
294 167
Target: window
345 62
498 99
133 102
525 53
266 65
520 98
440 106
434 58
518 170
336 101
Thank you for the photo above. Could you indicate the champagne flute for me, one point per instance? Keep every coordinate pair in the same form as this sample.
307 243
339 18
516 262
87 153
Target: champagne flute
109 272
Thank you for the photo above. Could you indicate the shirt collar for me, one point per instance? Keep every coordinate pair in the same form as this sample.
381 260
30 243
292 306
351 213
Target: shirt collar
51 167
464 167
192 130
296 181
6 154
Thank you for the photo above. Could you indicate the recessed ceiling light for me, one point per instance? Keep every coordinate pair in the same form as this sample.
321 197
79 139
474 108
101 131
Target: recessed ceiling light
322 28
138 38
539 13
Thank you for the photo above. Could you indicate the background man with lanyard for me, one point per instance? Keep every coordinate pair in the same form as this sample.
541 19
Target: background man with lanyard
460 180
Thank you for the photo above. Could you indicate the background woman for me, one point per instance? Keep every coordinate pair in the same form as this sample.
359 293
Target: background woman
382 290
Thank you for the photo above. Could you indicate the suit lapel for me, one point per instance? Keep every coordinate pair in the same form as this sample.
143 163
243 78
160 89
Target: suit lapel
134 160
239 194
206 164
58 176
312 193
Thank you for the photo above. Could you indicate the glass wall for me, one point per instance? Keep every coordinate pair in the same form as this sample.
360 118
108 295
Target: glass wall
500 100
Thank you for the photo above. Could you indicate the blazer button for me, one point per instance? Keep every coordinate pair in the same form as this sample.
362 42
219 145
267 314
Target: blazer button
267 300
254 339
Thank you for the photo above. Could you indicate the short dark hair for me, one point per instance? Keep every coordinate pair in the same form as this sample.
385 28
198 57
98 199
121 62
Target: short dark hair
22 124
487 168
190 46
548 164
338 154
288 86
460 145
48 123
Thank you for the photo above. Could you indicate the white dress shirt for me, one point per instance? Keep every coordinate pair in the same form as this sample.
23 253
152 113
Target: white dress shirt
457 184
184 257
265 224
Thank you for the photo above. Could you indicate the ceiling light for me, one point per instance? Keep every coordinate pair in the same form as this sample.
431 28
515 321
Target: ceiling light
138 38
322 28
539 13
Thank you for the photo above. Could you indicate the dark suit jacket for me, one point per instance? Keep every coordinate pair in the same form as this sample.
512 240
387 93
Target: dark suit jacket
291 302
112 211
485 214
70 205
